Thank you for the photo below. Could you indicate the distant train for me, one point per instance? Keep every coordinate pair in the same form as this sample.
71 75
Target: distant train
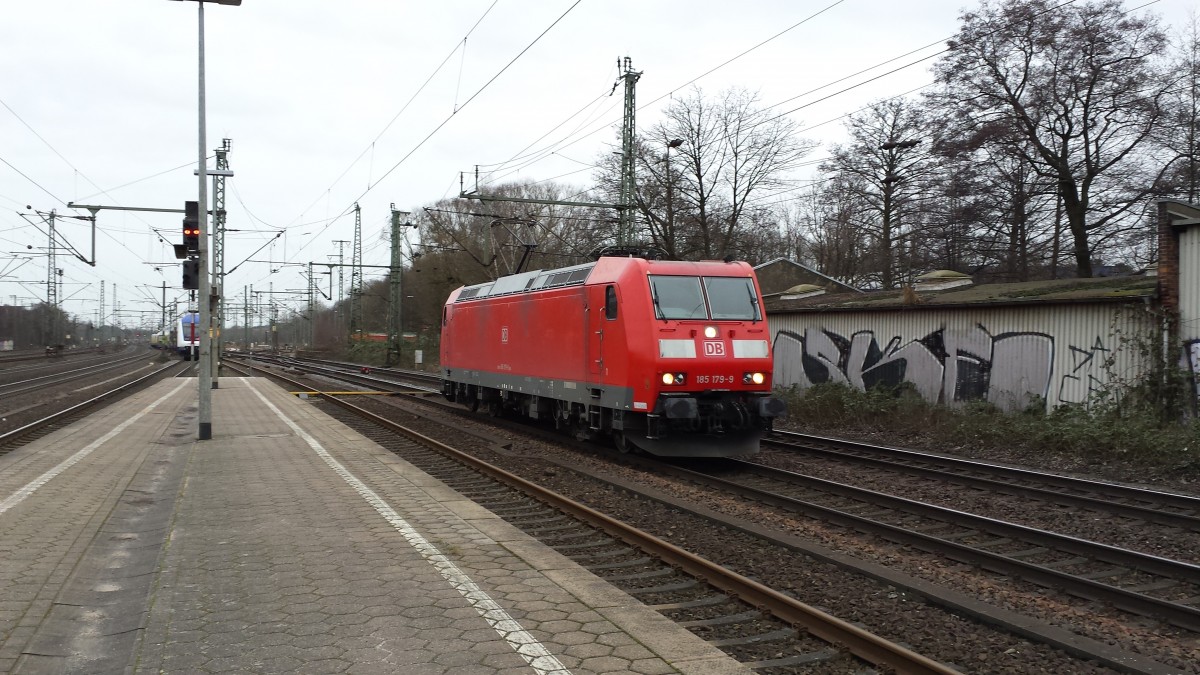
673 358
185 336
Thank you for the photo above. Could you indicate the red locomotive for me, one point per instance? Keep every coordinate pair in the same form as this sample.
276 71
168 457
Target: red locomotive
671 357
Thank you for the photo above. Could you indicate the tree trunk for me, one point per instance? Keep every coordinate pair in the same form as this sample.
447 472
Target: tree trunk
1076 213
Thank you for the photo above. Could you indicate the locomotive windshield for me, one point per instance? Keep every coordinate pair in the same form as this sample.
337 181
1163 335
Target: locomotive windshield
732 298
729 298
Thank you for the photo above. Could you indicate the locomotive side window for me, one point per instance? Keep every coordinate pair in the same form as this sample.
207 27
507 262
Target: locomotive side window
610 303
732 299
677 298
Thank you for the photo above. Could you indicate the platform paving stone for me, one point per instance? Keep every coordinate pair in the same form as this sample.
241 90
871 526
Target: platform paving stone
268 554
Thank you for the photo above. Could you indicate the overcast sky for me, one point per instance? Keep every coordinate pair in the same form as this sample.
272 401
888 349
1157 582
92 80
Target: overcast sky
320 100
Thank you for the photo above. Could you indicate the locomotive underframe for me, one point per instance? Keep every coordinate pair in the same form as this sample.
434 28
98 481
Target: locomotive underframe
708 424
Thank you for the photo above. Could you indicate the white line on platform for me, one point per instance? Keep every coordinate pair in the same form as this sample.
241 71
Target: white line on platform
525 644
20 495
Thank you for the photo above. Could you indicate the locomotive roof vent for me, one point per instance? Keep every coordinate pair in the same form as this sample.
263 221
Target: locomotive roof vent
565 276
528 281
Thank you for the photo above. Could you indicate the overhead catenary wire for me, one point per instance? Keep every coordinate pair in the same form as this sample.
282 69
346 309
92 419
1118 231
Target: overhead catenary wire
449 117
477 93
691 81
140 180
477 214
842 91
537 155
35 183
381 156
457 45
607 124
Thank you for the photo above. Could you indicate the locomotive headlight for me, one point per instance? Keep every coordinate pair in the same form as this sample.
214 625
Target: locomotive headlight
674 378
753 378
710 332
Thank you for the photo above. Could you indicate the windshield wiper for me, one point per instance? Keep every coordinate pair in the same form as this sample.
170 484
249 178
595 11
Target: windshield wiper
754 301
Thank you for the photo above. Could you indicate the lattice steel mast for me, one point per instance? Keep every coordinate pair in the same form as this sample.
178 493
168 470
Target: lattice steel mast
51 323
356 276
628 131
219 249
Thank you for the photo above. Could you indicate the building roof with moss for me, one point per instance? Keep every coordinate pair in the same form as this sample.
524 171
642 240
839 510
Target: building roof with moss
1059 291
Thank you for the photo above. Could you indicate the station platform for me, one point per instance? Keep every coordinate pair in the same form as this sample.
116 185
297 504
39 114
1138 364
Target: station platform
286 543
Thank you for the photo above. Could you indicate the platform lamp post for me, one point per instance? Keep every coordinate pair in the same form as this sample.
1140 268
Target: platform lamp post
205 291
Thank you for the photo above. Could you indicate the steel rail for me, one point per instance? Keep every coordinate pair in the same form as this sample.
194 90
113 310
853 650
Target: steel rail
40 355
859 642
1184 616
66 376
16 434
399 372
1110 490
349 376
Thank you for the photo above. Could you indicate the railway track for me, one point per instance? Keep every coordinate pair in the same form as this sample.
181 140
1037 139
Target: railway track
772 543
42 381
1136 582
40 427
39 355
1154 506
736 613
388 379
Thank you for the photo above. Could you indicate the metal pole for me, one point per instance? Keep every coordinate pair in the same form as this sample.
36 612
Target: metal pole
51 288
203 300
670 206
628 137
214 351
218 261
394 326
312 308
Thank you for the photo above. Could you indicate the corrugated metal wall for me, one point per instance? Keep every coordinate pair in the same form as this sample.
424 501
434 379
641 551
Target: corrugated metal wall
1189 301
1009 356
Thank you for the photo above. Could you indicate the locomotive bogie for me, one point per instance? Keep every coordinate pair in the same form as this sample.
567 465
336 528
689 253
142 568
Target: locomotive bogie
668 357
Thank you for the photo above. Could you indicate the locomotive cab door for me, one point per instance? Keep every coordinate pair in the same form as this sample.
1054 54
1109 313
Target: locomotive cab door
594 317
602 305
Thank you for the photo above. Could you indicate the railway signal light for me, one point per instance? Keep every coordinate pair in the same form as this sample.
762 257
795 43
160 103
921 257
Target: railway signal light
191 227
191 275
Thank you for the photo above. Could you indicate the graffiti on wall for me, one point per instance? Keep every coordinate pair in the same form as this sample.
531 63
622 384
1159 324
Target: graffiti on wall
1010 369
1191 363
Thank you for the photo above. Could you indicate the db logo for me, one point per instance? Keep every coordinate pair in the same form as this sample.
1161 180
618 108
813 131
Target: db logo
714 349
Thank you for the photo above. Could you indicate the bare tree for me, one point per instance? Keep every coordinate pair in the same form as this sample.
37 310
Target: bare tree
704 171
481 240
1083 87
991 191
1016 227
824 221
1180 139
463 242
886 166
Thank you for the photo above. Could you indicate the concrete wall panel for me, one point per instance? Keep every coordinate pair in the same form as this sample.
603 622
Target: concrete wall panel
1009 356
